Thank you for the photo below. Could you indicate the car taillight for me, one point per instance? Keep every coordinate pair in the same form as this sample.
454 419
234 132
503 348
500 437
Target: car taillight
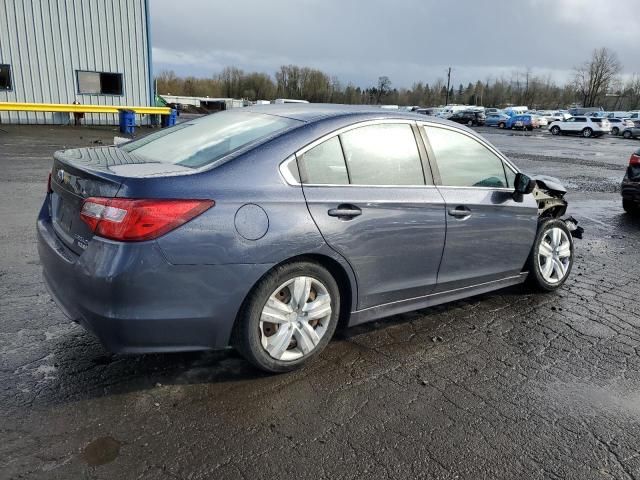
135 220
49 189
634 161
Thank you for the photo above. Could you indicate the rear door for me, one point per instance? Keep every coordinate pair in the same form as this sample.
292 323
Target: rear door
372 197
489 234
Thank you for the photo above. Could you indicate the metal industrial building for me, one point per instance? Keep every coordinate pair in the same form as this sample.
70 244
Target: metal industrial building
95 52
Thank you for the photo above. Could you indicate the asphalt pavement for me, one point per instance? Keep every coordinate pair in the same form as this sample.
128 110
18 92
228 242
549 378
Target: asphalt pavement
506 385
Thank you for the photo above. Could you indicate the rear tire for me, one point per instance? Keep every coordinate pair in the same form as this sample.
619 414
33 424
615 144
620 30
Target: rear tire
555 130
501 125
470 123
615 131
297 335
551 257
587 133
630 207
627 134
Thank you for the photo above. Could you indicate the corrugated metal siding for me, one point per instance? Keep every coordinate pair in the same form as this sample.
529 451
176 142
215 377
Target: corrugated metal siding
46 41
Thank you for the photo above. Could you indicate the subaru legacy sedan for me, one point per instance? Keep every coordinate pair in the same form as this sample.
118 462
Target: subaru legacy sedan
265 227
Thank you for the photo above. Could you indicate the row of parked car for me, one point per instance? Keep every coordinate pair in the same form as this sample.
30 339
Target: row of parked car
559 122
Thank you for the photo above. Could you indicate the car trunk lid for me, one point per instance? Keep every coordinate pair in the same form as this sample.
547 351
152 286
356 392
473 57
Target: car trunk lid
76 175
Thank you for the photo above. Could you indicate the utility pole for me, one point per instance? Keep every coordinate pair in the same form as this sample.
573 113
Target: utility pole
448 83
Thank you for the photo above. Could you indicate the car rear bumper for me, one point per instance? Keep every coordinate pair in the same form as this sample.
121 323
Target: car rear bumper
631 190
134 301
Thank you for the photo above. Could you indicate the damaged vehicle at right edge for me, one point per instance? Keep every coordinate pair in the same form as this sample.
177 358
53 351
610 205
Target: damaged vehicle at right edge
631 185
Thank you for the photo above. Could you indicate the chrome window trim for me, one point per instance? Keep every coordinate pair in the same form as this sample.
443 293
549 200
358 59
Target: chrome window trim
286 174
358 185
290 180
497 189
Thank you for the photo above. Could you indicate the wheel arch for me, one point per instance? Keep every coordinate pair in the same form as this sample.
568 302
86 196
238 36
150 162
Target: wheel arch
340 271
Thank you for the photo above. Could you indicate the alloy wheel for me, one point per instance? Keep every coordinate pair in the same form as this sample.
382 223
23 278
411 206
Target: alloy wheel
295 318
554 255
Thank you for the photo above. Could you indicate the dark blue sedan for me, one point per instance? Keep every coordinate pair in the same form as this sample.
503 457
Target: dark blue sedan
265 227
497 120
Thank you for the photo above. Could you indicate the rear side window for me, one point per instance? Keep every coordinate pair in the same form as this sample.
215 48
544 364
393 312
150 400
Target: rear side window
465 162
580 119
385 154
324 164
203 141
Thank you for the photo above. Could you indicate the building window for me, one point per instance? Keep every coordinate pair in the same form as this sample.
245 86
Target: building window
5 77
99 83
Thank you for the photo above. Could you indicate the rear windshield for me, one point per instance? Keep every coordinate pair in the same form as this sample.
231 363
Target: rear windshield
201 142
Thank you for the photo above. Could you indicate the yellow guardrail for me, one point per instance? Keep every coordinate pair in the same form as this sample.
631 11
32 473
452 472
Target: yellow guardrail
70 108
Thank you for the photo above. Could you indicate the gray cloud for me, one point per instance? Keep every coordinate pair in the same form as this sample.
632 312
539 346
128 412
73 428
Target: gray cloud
408 40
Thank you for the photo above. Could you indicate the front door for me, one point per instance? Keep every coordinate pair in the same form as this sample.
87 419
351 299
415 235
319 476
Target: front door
489 234
376 205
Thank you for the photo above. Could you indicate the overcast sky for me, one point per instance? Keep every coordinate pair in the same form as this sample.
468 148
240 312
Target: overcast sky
407 40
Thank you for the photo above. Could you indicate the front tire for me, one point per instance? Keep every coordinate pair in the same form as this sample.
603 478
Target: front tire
555 130
626 134
551 257
289 317
615 131
501 125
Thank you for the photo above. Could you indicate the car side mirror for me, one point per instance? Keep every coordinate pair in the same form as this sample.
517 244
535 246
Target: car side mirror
523 185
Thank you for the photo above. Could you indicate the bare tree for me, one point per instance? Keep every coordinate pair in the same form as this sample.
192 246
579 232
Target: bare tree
594 77
231 80
383 88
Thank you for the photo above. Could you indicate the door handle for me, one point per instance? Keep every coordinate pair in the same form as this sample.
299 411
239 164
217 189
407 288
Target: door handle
345 212
460 212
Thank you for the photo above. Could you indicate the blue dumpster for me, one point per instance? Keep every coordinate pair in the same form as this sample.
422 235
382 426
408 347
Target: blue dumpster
127 121
169 120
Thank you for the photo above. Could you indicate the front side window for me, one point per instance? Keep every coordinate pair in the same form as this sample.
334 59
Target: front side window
5 77
581 119
99 83
385 154
465 162
324 164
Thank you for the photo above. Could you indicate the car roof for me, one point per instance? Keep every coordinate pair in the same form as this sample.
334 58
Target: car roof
313 112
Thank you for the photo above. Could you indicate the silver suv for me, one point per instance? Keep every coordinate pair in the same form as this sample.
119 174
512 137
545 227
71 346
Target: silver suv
585 126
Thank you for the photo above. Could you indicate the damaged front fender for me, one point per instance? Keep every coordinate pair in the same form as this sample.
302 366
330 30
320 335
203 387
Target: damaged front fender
549 194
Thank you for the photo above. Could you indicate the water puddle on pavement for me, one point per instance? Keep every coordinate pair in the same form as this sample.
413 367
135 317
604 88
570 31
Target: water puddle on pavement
101 450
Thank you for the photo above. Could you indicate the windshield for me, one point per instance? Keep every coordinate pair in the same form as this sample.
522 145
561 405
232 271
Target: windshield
203 141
